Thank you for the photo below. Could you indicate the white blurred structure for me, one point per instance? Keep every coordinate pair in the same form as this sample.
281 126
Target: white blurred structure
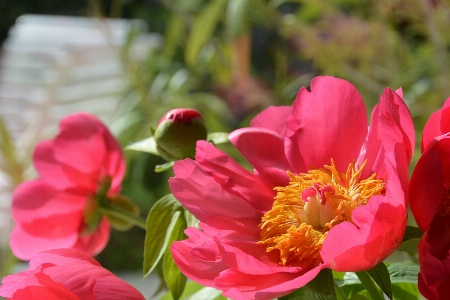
52 66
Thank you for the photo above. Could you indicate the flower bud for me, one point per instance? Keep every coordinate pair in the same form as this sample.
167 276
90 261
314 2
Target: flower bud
177 133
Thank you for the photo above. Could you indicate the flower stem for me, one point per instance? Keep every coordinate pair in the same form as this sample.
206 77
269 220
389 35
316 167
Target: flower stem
120 213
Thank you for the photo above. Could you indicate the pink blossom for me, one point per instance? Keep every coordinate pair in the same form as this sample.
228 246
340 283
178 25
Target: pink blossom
49 211
326 191
66 274
429 196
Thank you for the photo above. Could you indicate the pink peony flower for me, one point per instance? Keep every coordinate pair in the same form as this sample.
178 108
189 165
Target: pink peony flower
326 192
429 196
50 211
66 274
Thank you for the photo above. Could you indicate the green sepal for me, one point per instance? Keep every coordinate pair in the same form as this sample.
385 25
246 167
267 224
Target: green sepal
91 215
146 145
218 138
123 203
164 167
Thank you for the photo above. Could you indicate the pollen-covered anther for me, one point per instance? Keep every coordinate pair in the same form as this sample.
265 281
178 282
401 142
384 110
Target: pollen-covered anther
304 211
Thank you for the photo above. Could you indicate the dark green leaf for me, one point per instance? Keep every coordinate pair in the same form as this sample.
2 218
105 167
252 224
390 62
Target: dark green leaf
369 284
380 275
173 277
403 272
411 239
204 25
412 232
296 295
145 145
321 287
160 221
410 246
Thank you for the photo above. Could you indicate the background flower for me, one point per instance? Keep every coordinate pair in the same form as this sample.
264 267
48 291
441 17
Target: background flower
50 211
429 196
325 131
66 274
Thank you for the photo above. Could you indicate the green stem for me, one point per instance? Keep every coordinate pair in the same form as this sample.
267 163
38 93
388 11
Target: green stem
118 212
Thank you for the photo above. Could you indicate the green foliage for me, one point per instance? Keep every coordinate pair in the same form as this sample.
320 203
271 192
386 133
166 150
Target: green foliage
411 239
161 221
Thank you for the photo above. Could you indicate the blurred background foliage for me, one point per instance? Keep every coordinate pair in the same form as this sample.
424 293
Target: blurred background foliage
229 59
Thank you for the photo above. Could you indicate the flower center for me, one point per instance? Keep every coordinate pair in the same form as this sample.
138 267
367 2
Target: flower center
313 203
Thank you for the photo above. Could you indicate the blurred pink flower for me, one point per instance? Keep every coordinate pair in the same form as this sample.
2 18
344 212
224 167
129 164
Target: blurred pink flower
326 192
50 211
429 196
66 274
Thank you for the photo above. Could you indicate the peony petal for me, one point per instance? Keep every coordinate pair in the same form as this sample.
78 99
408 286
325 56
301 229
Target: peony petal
233 178
191 183
24 245
80 132
62 257
264 149
437 124
327 123
251 258
392 131
58 174
112 287
35 199
236 284
196 267
95 242
273 118
426 187
434 259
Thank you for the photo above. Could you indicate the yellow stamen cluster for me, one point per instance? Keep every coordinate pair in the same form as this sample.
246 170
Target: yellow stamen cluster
313 203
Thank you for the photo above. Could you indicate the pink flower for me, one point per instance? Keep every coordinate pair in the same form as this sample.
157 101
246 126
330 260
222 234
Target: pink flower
429 196
50 211
326 192
66 274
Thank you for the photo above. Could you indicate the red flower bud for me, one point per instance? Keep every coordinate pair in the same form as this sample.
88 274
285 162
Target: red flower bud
177 133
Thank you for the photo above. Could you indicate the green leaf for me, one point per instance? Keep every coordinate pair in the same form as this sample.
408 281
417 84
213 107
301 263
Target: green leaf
160 222
412 232
380 275
237 17
207 293
403 272
410 246
411 239
191 289
369 284
145 145
204 25
296 295
321 287
405 291
218 138
173 277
